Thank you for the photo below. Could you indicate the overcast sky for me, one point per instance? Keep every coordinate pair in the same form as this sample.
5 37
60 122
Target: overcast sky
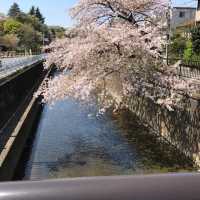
56 11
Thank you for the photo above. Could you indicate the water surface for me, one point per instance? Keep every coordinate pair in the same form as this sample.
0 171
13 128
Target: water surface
71 141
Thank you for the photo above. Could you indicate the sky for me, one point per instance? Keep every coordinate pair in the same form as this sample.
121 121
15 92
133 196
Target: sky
187 3
56 11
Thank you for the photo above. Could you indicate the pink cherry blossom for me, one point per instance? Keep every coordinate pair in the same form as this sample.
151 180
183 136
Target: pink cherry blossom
122 37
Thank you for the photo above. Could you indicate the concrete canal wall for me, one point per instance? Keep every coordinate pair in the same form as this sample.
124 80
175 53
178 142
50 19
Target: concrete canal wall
10 155
180 127
20 110
15 88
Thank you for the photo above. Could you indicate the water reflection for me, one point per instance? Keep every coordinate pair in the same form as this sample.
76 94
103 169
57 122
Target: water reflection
72 142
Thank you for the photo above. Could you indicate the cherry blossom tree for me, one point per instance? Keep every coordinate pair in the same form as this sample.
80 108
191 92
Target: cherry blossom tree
113 38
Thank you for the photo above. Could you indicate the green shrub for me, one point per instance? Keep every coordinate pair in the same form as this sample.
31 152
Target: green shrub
178 44
188 51
195 37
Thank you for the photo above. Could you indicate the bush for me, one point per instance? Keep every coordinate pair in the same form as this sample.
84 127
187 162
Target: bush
188 51
10 41
195 37
178 45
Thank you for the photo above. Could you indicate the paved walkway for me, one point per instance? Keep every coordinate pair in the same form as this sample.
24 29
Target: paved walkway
11 65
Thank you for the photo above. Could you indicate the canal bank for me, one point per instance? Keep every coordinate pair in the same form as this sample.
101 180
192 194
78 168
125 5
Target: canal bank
179 127
17 129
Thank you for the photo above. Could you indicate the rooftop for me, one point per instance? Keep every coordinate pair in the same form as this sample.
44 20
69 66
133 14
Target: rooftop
182 7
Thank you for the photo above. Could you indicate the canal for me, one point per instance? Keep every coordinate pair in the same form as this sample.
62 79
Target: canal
72 141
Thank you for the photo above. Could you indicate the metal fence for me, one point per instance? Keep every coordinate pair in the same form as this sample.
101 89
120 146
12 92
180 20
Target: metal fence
150 187
190 69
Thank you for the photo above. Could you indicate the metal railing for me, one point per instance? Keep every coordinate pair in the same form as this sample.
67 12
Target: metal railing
14 54
150 187
190 69
9 66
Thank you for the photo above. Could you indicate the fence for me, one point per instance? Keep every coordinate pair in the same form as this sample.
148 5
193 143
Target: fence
189 69
14 54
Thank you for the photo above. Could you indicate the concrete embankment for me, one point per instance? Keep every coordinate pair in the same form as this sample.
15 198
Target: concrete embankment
20 110
180 128
15 88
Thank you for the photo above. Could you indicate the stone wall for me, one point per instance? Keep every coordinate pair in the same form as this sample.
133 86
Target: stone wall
180 127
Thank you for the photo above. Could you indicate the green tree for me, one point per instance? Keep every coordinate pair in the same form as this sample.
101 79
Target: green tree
188 51
195 37
14 10
29 37
39 15
178 45
12 26
32 11
1 28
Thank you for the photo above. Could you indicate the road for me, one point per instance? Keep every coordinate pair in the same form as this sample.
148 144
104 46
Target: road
11 65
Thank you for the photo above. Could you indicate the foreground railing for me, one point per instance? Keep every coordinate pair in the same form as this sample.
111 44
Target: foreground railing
152 187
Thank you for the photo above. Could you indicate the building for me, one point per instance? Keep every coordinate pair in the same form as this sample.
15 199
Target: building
185 17
198 12
182 16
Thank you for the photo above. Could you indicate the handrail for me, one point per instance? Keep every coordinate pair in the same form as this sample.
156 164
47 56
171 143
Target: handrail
150 187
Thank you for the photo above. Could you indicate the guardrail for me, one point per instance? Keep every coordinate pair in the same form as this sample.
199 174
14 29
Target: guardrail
150 187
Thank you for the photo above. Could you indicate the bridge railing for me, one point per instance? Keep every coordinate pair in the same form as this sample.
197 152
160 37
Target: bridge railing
150 187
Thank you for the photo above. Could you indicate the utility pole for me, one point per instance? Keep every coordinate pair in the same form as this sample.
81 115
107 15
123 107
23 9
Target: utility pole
168 17
43 40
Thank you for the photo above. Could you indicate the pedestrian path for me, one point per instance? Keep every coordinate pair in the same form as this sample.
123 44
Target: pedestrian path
10 66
